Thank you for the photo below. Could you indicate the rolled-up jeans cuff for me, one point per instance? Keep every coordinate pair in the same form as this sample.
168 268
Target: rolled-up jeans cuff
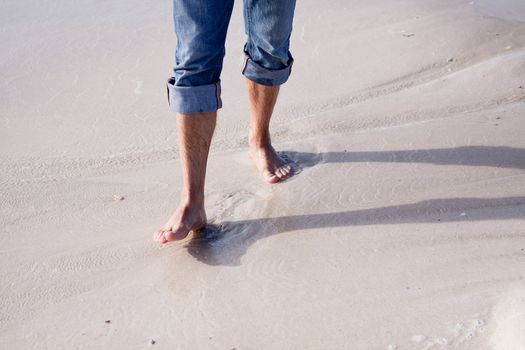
194 99
264 76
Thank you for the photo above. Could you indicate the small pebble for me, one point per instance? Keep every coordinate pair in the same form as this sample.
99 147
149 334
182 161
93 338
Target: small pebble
520 87
107 321
118 198
152 342
450 60
408 35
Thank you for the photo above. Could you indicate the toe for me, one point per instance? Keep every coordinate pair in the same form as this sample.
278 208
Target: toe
176 235
286 170
271 178
280 173
159 236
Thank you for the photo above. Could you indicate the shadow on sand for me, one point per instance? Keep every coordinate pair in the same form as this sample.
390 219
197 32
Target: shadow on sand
490 156
225 243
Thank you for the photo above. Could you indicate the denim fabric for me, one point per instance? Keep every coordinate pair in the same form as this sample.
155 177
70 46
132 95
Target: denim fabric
201 27
268 26
194 99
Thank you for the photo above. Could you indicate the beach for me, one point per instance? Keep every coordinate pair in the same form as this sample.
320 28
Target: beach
403 229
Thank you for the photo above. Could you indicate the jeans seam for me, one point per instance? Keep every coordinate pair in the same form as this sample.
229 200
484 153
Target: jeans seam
248 18
246 57
217 94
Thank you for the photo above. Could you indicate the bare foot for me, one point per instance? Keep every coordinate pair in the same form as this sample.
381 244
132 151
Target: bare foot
185 219
272 167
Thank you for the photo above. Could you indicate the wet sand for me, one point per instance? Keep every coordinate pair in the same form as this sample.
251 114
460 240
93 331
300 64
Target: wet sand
404 230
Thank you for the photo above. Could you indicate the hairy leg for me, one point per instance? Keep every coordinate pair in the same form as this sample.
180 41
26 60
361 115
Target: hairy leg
262 101
195 133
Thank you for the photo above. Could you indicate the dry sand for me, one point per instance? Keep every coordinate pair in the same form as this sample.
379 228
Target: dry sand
404 230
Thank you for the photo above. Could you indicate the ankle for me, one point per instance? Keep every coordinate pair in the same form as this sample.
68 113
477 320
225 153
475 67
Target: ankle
191 200
257 141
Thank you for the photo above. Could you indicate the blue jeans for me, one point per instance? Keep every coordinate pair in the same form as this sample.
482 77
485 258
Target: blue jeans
201 27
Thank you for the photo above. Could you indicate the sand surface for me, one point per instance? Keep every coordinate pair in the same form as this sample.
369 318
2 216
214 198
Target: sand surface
404 230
